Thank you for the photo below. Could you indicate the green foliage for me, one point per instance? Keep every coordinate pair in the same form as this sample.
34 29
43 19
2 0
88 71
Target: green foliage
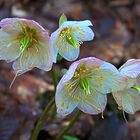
68 137
59 57
62 19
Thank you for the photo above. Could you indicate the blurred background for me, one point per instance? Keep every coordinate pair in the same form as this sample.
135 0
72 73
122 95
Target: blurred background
116 24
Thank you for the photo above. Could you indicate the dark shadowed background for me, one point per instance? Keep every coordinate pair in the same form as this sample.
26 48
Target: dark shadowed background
116 24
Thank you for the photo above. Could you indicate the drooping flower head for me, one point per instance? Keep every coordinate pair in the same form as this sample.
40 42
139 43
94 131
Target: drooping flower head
67 39
85 86
129 99
26 43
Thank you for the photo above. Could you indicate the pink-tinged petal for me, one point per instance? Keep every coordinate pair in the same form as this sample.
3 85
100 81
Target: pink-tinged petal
9 47
128 100
16 25
91 61
65 104
93 103
131 68
39 55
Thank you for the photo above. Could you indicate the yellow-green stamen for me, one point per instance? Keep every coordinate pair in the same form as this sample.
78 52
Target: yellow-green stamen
24 43
81 79
136 87
85 85
66 35
27 37
71 40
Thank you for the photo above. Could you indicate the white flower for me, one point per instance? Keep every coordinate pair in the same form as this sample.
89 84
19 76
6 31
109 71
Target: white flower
67 39
26 43
85 86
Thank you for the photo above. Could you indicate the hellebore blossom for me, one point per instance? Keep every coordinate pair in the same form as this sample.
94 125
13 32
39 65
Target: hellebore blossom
129 99
67 39
26 43
85 86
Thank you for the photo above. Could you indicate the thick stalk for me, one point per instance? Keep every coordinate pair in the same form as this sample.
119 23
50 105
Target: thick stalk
46 110
55 77
67 128
41 120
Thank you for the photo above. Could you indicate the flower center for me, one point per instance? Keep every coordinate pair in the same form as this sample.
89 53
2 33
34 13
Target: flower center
24 43
81 79
66 35
27 38
85 85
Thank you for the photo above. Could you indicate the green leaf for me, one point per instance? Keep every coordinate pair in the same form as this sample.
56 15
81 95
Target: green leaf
63 71
59 57
62 19
68 137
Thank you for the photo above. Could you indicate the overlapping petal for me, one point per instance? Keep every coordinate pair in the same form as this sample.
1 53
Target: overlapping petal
109 79
99 79
128 100
131 68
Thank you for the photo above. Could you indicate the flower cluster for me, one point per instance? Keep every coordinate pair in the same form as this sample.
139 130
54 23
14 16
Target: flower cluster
87 82
129 98
85 86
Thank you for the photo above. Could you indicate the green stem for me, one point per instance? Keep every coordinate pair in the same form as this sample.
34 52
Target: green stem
55 82
53 112
55 77
41 120
46 110
66 129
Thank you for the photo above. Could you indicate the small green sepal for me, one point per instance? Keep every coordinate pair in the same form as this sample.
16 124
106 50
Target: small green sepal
62 19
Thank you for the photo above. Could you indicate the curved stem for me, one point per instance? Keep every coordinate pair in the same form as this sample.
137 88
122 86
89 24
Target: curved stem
41 120
55 77
46 110
53 112
66 129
